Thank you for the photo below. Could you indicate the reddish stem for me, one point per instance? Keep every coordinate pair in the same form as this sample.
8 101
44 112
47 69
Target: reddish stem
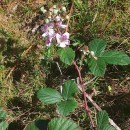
84 94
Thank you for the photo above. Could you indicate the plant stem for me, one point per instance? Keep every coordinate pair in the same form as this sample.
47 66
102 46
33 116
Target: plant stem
84 94
72 6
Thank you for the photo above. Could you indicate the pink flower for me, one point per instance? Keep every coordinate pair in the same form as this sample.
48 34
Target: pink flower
60 25
63 40
47 29
50 35
48 41
49 32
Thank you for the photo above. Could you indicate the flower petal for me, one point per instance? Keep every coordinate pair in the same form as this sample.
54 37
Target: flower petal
48 41
51 32
62 44
63 26
51 24
58 37
45 34
66 34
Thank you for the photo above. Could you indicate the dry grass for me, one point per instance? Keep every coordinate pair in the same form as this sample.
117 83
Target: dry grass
108 20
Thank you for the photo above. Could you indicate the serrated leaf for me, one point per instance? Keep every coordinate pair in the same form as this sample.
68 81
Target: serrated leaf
69 89
65 107
3 113
116 57
38 125
66 55
98 46
108 127
49 96
3 125
97 67
102 119
62 124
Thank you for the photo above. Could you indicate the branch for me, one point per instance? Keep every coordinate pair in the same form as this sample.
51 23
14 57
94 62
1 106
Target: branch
84 94
99 109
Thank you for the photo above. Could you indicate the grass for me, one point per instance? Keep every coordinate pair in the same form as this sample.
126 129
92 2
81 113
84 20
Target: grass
93 19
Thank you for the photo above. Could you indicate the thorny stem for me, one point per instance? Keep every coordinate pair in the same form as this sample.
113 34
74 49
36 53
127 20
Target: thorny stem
84 94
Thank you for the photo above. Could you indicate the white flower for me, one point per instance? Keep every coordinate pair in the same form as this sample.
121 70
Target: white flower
47 29
50 32
59 24
63 40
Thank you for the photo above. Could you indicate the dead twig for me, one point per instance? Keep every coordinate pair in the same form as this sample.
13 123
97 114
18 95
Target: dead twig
88 82
61 80
71 9
98 108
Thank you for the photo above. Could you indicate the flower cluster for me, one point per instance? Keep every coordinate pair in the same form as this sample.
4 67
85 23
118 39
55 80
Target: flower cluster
53 27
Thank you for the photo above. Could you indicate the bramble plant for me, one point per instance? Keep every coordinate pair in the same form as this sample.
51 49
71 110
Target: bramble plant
93 56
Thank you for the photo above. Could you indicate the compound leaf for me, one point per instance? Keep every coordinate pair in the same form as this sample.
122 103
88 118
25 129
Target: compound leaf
116 57
66 55
69 89
98 46
62 124
3 125
102 119
49 96
97 67
65 107
3 114
108 127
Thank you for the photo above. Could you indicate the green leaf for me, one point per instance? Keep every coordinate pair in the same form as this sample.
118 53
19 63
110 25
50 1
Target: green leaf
62 124
116 57
69 89
97 67
3 125
38 125
3 113
49 96
65 107
98 46
102 119
66 55
108 127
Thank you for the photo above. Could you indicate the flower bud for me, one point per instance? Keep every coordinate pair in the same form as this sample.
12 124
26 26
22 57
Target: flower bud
67 17
54 6
57 18
47 21
92 53
43 9
49 17
55 11
63 9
